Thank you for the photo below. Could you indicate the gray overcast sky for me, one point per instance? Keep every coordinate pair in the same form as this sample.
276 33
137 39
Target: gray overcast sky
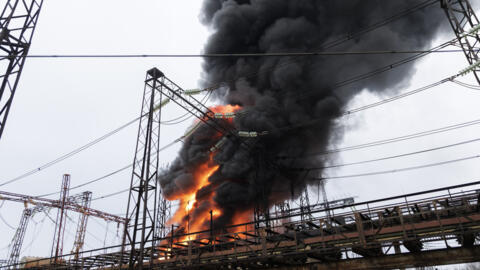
62 104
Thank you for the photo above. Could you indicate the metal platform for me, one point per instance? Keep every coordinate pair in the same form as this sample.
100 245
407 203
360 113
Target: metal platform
418 229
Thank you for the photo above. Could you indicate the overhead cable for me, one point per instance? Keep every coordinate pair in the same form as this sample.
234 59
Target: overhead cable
388 157
401 169
387 141
243 55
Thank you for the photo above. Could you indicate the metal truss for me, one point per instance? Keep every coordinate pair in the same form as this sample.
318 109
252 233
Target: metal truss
18 237
142 200
178 95
442 221
84 199
17 25
466 26
57 246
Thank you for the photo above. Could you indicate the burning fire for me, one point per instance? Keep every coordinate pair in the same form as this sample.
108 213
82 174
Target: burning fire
194 212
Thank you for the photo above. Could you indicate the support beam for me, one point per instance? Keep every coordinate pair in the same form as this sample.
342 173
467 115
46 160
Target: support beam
18 237
142 200
57 246
409 260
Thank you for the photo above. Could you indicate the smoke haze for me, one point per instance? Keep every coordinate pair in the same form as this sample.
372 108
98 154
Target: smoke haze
288 92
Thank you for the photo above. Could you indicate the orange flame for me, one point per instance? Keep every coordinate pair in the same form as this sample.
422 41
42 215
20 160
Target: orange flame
189 215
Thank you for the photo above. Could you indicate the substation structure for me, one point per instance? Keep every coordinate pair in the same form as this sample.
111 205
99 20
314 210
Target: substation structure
435 227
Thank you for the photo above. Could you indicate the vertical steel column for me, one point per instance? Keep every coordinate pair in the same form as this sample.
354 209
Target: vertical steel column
142 200
163 214
17 25
86 198
57 246
464 21
18 238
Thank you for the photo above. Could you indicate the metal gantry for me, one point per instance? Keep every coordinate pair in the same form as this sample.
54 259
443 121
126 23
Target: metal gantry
84 199
18 237
434 227
17 25
142 200
57 245
466 26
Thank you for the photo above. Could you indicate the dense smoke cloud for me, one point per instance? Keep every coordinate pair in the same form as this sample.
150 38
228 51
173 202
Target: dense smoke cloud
290 91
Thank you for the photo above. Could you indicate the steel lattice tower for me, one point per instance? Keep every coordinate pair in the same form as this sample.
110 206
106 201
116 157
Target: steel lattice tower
465 24
18 237
144 194
57 246
17 25
84 199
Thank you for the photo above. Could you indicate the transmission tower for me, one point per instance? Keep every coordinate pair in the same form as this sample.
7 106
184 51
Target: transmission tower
84 199
142 201
17 25
57 246
466 26
18 237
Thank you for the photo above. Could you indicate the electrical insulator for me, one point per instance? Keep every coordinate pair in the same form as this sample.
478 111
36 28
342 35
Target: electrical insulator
218 145
192 92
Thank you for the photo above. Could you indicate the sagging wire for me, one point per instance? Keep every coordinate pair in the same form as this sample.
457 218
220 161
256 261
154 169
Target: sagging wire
467 85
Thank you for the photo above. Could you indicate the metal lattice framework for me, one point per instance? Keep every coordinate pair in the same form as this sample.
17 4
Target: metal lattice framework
84 199
19 236
142 200
434 227
466 25
57 246
17 23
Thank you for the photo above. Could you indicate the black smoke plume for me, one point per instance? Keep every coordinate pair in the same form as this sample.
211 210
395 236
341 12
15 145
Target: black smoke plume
293 98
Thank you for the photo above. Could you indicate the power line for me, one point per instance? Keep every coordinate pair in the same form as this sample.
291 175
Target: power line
401 169
406 94
111 173
243 55
372 105
388 157
467 85
326 46
285 128
352 36
72 153
388 141
90 144
380 70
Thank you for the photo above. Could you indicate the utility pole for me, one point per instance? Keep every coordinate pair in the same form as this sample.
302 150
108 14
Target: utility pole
466 26
17 25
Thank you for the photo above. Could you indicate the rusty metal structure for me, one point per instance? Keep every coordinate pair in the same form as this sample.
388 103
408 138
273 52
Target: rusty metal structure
57 246
434 227
84 199
466 26
70 206
17 242
17 25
